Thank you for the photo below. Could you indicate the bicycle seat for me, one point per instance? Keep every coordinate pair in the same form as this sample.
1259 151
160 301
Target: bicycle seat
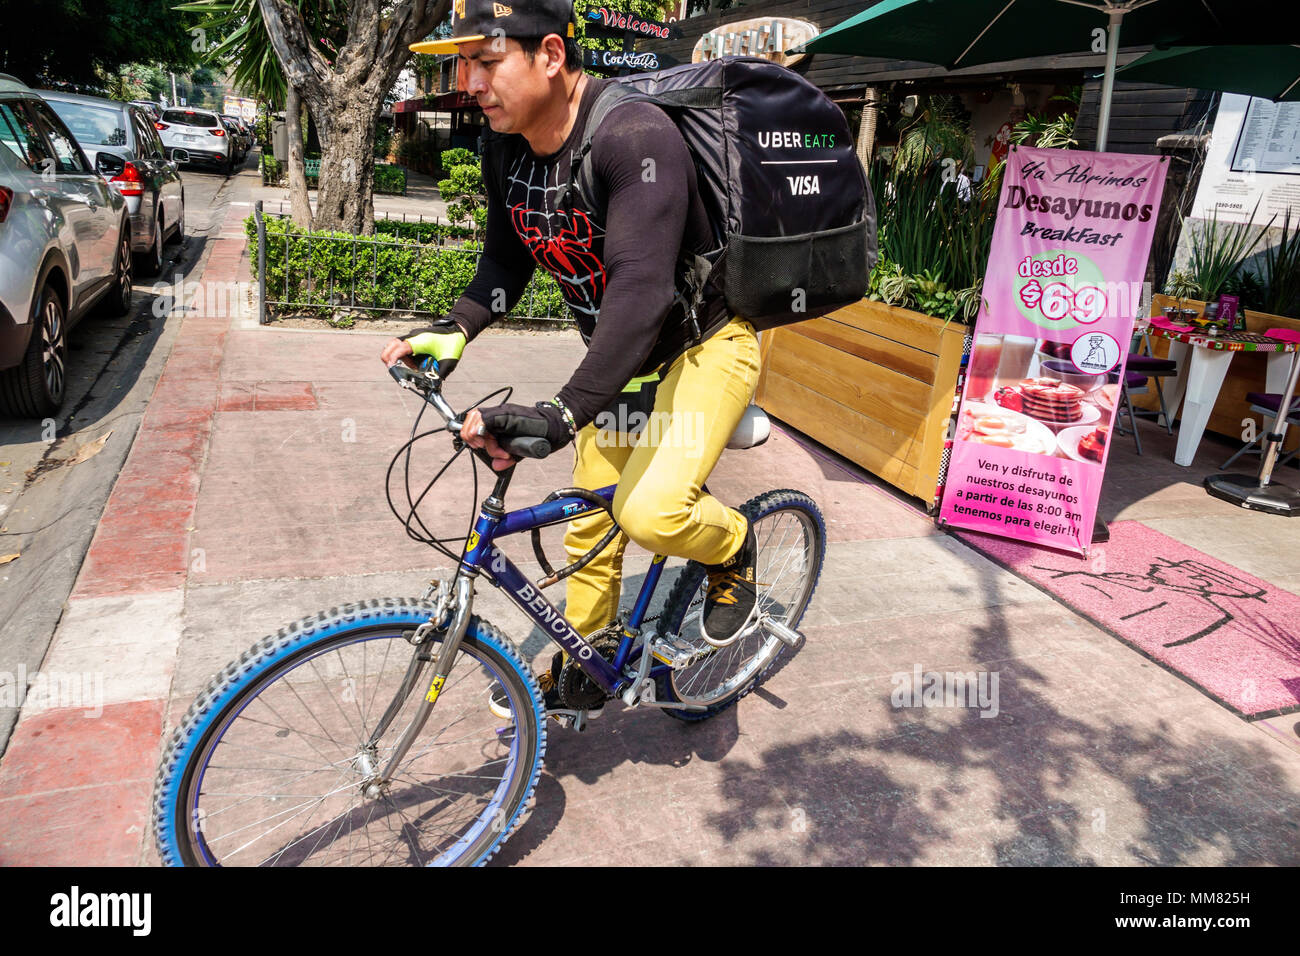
753 429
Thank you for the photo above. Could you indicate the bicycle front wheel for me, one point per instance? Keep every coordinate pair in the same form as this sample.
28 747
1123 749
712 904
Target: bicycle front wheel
791 538
273 764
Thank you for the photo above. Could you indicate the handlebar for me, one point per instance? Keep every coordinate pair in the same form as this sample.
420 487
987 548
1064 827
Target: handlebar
429 384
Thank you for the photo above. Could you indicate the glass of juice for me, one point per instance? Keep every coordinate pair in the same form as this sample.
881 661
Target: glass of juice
983 366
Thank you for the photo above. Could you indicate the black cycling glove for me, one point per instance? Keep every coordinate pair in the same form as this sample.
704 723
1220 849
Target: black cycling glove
542 420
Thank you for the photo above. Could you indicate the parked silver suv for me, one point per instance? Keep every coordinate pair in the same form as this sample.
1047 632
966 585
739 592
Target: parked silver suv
201 134
65 245
122 144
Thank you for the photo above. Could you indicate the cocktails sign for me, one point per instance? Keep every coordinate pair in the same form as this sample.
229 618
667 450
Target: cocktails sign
618 59
1061 291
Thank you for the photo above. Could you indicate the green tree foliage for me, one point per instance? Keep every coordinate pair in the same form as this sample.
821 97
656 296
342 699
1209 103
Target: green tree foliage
232 34
82 41
939 130
462 190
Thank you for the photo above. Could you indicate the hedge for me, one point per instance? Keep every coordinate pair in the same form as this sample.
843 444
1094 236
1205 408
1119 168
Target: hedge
332 270
421 231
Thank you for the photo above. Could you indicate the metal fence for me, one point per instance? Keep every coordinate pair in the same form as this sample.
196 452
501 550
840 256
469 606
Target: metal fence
376 276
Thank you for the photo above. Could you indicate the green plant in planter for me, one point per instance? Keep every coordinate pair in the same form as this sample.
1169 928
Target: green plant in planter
1248 289
1181 285
1282 271
1218 251
967 301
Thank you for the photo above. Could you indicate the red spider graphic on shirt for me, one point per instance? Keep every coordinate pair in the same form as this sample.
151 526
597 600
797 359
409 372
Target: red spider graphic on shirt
567 254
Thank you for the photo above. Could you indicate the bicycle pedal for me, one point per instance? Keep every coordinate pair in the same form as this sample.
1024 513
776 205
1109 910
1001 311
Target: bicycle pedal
783 633
677 653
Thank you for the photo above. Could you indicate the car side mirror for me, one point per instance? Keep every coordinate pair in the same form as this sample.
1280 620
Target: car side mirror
108 165
180 156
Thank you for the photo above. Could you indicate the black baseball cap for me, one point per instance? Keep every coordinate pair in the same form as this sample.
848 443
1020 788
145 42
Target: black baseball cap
482 19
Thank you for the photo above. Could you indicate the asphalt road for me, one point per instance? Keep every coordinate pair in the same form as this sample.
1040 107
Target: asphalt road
49 505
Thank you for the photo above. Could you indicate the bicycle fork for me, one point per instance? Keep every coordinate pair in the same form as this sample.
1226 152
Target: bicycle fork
462 605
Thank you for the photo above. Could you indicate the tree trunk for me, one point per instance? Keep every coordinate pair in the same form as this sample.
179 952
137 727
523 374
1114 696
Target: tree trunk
299 203
347 169
346 95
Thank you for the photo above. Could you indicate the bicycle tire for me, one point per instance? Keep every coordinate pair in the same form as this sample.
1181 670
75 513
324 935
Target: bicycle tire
259 698
724 675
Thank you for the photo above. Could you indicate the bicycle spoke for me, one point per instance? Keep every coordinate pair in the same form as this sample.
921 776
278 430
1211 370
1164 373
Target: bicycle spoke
317 803
287 726
784 570
283 785
356 699
334 699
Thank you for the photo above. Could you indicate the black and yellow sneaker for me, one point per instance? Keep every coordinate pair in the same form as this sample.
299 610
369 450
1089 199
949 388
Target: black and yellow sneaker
732 594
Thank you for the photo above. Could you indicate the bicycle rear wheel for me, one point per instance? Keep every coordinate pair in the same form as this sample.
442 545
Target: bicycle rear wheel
791 538
270 764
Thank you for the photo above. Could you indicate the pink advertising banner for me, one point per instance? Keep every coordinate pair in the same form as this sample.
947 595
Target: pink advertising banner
1062 288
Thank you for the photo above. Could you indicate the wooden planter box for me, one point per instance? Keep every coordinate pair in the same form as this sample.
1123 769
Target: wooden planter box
1245 374
873 382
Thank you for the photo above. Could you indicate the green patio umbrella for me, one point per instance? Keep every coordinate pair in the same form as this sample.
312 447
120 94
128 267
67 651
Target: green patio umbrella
958 33
1271 72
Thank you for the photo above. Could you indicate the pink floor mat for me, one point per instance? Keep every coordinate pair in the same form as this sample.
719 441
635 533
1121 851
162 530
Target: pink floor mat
1234 636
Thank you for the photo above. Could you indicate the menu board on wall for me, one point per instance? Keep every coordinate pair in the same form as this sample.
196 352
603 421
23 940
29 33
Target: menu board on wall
1252 142
1269 141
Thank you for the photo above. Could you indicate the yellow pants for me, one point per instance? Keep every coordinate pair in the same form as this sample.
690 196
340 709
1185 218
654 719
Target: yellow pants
659 503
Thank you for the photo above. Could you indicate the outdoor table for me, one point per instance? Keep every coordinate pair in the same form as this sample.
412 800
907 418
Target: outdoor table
1203 362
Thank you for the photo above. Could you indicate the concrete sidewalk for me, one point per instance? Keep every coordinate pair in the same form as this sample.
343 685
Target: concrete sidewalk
254 496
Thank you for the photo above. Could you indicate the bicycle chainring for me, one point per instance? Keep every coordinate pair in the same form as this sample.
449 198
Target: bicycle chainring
578 691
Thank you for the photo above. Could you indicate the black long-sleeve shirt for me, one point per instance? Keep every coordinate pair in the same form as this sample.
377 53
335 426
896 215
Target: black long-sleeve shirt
615 264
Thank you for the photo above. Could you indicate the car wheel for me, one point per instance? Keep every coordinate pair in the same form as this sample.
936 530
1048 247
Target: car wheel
36 387
230 165
118 300
151 262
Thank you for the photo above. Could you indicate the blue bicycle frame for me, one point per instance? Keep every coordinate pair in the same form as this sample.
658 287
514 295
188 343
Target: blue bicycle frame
482 556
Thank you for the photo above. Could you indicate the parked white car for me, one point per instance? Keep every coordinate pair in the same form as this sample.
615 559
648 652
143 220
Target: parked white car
202 135
65 245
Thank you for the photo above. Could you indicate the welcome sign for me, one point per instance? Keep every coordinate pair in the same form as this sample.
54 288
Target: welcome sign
1062 288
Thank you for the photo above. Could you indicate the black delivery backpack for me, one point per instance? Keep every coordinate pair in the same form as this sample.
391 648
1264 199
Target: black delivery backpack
793 217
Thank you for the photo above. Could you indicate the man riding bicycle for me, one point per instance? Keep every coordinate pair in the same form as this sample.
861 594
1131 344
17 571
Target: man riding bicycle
616 264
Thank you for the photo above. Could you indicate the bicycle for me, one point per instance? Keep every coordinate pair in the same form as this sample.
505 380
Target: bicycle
352 690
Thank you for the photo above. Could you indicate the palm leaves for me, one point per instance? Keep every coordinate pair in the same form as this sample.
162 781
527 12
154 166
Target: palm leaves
242 44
